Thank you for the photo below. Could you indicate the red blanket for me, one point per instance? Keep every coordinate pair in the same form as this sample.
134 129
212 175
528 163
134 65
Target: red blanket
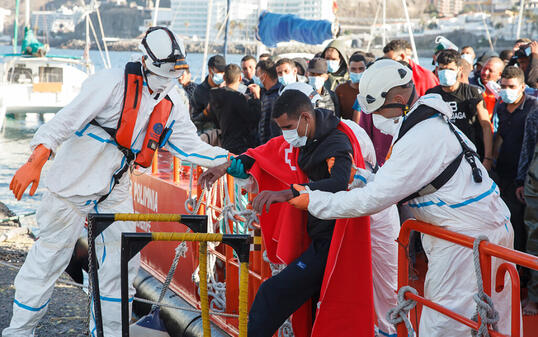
346 304
423 78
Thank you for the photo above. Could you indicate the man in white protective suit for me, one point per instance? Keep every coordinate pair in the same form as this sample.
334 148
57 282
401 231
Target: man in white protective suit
431 167
384 227
119 118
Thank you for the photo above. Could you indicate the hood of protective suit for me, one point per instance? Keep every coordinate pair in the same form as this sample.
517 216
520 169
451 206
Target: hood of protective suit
344 55
434 101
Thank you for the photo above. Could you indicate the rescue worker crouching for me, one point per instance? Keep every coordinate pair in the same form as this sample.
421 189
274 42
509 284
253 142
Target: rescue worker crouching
120 117
430 156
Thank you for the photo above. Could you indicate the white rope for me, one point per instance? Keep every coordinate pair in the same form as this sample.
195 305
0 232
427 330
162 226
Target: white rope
181 251
484 304
400 312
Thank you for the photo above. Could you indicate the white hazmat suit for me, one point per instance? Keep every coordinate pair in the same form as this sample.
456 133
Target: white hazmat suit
81 173
461 205
384 229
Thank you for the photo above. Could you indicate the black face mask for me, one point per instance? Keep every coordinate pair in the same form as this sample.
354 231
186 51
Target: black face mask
405 107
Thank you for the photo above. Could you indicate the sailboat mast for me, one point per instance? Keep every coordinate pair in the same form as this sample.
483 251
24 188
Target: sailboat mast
27 14
207 37
521 6
410 30
227 28
384 33
16 26
156 13
260 48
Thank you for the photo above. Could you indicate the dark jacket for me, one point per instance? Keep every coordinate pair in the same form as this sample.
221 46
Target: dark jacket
200 98
267 128
328 142
342 74
230 111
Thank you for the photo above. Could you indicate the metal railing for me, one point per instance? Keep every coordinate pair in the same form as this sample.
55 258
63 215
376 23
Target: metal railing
487 250
132 243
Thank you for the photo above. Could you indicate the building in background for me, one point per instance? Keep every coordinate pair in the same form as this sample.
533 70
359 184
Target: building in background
449 7
4 13
189 17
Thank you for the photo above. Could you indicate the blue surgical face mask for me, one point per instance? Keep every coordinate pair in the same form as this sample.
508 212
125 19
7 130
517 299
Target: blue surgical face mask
218 78
355 77
333 65
447 77
510 95
286 79
316 82
468 57
257 81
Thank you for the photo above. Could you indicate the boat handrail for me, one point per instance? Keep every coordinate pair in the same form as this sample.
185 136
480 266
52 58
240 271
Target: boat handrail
486 251
41 57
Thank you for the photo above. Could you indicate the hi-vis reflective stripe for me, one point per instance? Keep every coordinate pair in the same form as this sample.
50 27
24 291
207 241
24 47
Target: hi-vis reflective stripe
29 308
461 204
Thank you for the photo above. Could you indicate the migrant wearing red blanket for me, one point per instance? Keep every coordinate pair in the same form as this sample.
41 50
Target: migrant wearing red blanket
346 304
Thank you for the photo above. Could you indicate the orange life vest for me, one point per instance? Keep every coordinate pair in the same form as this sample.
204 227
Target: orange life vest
131 104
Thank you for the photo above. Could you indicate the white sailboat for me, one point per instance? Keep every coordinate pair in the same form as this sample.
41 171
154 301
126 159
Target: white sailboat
33 82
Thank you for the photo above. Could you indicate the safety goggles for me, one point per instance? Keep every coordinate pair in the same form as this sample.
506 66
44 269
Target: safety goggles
176 56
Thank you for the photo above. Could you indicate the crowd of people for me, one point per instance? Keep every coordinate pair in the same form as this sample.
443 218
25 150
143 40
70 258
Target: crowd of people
343 147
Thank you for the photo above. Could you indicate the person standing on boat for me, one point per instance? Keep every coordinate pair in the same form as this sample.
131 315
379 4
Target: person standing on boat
120 118
432 168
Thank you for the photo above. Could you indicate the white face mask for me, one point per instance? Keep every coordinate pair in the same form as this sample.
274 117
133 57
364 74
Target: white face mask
293 138
158 84
388 126
316 82
468 57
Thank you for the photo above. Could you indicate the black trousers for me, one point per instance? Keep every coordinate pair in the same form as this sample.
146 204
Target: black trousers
517 210
281 295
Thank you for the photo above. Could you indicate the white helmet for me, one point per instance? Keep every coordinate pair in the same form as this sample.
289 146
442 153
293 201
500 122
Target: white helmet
164 52
305 88
378 79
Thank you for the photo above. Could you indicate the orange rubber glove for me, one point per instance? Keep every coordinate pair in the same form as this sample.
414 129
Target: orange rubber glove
30 172
301 201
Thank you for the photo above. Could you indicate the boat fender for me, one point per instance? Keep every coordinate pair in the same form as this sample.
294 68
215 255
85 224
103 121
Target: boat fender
150 325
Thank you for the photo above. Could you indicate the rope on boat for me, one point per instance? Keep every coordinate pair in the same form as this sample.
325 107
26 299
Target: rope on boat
400 312
484 304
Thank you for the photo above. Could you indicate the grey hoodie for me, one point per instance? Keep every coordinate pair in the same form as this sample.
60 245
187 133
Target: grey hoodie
342 74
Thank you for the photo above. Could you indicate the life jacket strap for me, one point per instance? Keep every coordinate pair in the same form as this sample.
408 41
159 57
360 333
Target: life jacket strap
421 114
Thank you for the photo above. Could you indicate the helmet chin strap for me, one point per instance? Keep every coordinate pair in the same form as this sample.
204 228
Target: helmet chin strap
405 107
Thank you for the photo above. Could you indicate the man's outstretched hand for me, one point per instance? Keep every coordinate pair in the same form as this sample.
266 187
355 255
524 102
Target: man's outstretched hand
267 198
208 178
